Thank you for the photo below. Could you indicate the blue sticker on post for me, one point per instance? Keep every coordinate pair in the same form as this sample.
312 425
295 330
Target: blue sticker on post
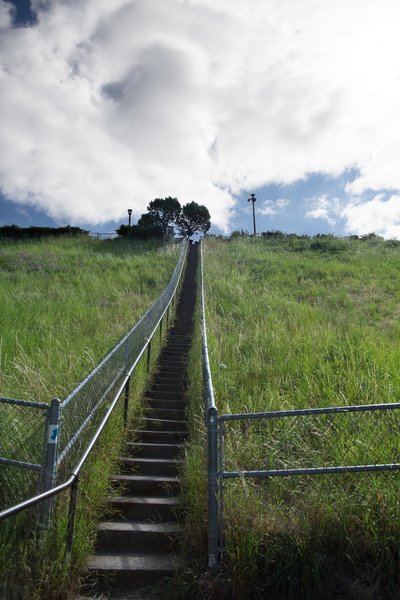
53 434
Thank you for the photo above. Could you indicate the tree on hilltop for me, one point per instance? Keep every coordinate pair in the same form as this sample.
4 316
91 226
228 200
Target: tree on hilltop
194 218
164 212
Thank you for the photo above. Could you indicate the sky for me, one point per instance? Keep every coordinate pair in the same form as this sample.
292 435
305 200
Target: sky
108 104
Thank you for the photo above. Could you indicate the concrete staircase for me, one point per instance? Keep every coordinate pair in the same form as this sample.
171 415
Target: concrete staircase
139 544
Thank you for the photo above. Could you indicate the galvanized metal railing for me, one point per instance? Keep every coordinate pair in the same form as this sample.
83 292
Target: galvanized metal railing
363 430
112 391
211 417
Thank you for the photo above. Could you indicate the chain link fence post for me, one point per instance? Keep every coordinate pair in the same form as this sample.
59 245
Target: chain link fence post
52 432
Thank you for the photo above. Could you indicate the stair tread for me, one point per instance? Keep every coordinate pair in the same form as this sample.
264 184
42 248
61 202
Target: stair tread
129 562
133 527
138 445
166 500
158 420
158 478
139 431
152 460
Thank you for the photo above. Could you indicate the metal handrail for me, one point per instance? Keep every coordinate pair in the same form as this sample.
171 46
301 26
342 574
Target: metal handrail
73 478
206 362
211 418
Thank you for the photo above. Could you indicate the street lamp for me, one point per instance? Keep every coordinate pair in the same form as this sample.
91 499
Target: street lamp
129 216
253 199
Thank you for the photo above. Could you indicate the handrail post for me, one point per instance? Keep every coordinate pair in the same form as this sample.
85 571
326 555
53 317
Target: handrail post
126 402
50 464
148 357
213 520
71 520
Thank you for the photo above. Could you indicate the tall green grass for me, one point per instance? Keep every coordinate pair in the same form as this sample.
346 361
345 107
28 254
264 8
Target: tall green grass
298 323
65 303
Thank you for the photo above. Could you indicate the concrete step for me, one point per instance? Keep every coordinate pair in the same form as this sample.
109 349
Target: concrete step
179 359
119 536
171 384
166 413
162 437
168 364
175 350
147 485
163 378
177 346
180 336
171 369
110 571
151 466
152 450
164 403
165 394
163 424
151 508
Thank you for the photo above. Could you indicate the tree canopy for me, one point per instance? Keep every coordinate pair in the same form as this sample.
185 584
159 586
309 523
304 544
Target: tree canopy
164 212
194 218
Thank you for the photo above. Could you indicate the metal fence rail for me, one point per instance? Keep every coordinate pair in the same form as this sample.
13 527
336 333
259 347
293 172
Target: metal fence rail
39 439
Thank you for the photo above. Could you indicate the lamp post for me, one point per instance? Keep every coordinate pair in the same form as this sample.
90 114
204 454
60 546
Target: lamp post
129 216
253 199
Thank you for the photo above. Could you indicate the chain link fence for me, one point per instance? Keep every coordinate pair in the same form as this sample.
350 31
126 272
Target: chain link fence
22 448
82 409
38 440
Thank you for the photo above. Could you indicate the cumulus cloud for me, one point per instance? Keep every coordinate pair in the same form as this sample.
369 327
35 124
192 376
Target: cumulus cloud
326 208
106 105
380 215
272 207
6 14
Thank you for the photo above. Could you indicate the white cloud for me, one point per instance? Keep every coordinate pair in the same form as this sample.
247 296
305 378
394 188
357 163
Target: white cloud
106 105
326 208
6 11
380 215
272 207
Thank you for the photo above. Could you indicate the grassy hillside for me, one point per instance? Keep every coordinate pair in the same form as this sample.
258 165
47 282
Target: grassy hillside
65 303
297 323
